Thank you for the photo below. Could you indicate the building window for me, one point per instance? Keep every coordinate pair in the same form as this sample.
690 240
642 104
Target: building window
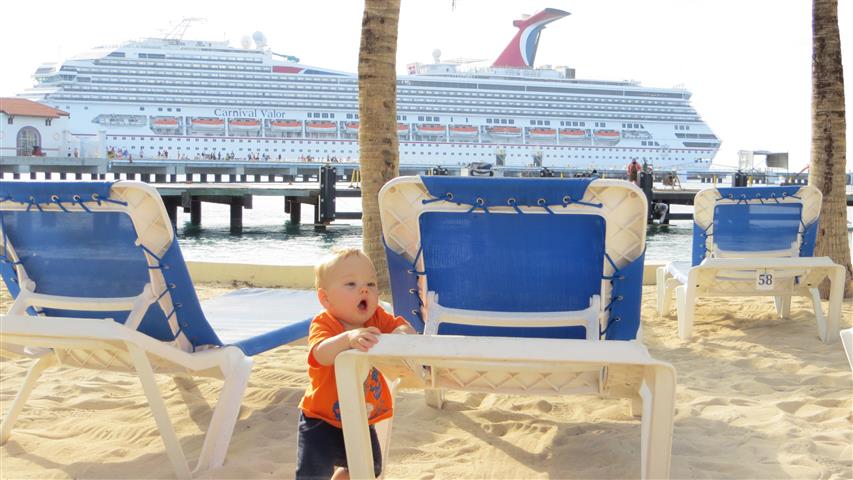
28 139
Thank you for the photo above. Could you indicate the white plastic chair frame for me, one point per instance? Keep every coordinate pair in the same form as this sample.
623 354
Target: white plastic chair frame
515 365
847 340
623 369
110 346
729 274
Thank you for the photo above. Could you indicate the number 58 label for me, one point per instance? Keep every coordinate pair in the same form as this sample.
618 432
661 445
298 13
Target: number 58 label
764 280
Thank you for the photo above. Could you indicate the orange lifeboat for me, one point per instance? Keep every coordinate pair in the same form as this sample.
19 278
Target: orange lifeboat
542 133
402 129
286 125
505 132
607 134
208 124
572 132
351 127
607 137
430 130
320 127
165 123
463 131
244 124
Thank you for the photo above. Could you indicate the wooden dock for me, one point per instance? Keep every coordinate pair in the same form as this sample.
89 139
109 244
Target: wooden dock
190 183
191 196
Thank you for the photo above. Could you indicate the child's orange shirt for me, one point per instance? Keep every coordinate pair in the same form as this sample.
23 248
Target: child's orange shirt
321 397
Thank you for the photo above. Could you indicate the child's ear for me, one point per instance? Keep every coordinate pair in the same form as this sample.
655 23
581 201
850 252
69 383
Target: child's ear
323 297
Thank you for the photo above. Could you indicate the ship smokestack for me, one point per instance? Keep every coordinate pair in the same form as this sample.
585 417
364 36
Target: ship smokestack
521 50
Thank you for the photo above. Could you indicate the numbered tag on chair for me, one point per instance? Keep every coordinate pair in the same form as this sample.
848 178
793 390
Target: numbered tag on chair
764 280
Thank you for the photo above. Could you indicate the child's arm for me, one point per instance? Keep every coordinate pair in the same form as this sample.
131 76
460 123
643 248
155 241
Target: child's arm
360 339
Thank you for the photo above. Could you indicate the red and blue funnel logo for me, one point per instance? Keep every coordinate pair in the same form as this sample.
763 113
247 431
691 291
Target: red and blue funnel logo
521 51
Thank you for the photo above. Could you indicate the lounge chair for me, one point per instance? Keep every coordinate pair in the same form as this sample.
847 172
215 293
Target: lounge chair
99 282
525 286
756 241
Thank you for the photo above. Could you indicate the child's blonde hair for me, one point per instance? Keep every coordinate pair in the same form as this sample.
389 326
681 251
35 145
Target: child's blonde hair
338 254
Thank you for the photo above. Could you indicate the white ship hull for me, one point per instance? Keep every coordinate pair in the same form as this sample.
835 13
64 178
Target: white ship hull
113 95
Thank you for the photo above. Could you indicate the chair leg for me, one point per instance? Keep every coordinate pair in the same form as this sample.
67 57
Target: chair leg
43 362
836 297
783 305
820 318
686 305
350 372
221 427
636 404
383 428
661 290
158 409
658 393
434 398
847 341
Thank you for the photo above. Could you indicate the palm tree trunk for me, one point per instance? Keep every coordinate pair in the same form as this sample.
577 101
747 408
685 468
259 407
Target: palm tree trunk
829 142
377 107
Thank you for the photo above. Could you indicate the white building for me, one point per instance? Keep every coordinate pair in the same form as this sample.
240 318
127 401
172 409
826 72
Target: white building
30 128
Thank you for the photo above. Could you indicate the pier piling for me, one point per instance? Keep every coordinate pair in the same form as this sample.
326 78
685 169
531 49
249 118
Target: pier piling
171 204
195 212
294 208
236 215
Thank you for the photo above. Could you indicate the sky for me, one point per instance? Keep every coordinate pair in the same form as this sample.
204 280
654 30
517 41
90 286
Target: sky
747 62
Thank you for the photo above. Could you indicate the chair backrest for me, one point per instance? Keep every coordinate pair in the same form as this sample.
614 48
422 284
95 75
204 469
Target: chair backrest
516 245
755 221
99 240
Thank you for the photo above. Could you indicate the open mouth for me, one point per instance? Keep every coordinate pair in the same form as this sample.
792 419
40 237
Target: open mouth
362 305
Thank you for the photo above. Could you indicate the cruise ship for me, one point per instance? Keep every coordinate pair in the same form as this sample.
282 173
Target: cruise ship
203 99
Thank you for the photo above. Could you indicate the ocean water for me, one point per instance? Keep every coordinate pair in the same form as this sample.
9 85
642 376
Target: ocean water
269 238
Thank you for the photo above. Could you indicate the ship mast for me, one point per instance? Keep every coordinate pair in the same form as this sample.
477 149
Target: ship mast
177 32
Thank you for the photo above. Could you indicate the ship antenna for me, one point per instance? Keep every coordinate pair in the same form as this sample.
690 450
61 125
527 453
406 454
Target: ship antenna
177 32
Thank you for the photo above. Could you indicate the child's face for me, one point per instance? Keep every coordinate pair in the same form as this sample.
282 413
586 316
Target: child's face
350 293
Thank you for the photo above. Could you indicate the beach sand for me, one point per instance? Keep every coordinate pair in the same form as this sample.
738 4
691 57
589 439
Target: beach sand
757 397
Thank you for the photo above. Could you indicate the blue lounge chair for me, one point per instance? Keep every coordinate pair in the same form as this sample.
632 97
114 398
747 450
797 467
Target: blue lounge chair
525 286
99 282
756 241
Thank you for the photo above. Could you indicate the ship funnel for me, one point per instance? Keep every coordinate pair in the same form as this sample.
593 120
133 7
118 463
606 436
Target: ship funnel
521 51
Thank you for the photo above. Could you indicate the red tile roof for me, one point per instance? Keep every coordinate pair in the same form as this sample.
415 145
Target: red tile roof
27 108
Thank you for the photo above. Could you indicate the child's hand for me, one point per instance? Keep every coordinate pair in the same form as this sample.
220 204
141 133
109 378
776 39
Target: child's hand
363 339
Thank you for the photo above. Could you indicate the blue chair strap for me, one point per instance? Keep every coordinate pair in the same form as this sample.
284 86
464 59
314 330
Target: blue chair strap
742 194
404 288
45 193
482 193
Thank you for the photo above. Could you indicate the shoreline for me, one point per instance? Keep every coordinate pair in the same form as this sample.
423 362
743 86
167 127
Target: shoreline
757 397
